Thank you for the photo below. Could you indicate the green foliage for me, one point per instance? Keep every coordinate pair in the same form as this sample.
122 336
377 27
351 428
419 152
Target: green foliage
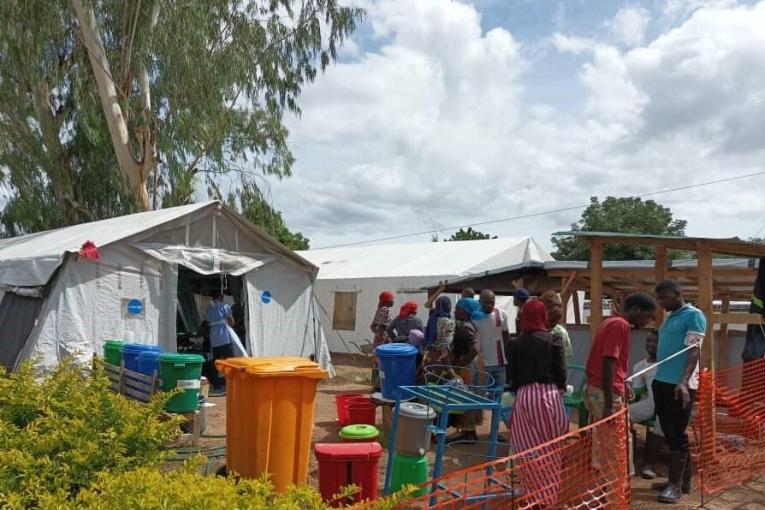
255 207
629 215
185 489
469 235
221 76
68 442
60 433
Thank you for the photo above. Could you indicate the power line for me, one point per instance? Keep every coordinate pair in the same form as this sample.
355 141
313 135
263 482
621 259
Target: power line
540 213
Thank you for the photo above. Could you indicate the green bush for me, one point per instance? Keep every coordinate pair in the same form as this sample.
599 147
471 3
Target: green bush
68 442
185 489
60 432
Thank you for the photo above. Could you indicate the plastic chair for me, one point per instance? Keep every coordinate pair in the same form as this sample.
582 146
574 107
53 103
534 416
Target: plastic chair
639 392
576 399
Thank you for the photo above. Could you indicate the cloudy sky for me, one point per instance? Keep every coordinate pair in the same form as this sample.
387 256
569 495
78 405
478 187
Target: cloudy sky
446 112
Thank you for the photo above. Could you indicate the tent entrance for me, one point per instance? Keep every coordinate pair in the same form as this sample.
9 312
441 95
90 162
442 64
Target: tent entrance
18 315
195 293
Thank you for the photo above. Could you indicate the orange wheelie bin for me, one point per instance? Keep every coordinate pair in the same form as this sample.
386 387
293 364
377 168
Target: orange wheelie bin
269 416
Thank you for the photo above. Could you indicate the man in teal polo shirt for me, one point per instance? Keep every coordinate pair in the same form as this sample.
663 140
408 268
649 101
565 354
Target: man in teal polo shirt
676 381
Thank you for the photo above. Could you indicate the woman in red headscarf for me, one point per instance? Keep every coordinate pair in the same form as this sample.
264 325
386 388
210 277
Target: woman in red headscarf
538 376
407 320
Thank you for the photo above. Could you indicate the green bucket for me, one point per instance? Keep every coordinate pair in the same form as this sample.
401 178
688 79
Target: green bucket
113 352
359 433
181 371
409 470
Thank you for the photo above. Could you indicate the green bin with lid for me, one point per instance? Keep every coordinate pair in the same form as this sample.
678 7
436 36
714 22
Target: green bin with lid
409 470
113 352
181 371
360 433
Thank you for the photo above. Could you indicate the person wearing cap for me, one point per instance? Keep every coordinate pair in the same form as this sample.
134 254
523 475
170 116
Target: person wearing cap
520 296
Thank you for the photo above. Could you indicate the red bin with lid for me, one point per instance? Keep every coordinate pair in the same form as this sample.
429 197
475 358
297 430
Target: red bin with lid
344 464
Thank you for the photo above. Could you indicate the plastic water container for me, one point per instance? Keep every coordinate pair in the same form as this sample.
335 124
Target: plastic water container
343 464
341 406
413 436
113 351
130 353
181 371
148 362
398 363
409 470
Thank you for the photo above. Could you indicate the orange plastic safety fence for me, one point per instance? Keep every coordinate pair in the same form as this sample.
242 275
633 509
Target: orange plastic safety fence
730 426
584 469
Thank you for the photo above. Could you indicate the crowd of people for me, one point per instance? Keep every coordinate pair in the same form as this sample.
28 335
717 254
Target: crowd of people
475 346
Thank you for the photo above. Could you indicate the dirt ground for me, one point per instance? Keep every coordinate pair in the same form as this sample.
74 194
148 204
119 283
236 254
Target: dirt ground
353 376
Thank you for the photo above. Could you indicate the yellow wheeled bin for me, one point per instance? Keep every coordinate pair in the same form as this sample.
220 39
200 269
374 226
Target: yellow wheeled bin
269 416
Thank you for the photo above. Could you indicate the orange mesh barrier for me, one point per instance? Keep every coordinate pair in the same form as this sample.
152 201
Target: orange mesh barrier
730 426
584 469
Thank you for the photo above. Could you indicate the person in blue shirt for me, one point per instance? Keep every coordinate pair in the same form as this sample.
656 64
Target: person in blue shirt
221 320
675 384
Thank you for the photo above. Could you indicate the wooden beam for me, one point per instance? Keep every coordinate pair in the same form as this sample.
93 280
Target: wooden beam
565 298
727 318
569 281
596 285
705 305
724 345
432 297
577 310
659 274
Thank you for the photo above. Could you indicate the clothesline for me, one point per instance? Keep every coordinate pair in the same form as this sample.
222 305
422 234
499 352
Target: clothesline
655 365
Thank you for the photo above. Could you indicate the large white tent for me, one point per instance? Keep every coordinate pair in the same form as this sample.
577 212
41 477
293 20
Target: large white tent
57 303
351 278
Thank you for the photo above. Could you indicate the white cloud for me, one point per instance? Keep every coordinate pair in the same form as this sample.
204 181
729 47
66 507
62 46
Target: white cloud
432 128
629 25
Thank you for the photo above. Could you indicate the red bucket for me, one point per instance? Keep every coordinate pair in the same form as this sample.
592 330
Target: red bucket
360 412
341 405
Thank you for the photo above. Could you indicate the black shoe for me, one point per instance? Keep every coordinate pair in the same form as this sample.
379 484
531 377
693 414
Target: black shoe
673 492
687 477
653 443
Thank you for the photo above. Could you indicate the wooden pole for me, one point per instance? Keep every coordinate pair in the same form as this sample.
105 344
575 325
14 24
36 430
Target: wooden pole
724 348
596 286
577 309
708 348
660 274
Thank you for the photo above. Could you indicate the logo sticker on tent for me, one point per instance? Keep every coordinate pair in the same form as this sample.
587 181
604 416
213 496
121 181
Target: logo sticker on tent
134 307
265 297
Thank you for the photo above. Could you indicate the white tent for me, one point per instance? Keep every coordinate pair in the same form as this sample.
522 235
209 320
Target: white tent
351 278
56 303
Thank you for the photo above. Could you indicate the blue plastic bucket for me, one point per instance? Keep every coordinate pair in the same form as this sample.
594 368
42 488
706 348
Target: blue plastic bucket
397 362
130 353
148 362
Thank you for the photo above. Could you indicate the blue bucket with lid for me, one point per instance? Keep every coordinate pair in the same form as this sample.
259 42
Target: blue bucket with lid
398 363
130 353
148 362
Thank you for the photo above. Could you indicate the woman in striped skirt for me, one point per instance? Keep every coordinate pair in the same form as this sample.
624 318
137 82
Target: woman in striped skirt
538 376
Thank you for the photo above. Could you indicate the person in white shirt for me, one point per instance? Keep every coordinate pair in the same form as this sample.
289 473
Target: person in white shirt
493 337
644 409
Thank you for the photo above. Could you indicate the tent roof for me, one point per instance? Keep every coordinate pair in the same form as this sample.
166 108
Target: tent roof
453 258
39 254
54 243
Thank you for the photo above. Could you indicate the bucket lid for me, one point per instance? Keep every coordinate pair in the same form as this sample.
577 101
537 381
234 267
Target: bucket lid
415 410
358 432
347 451
134 348
114 343
286 366
149 354
396 349
174 357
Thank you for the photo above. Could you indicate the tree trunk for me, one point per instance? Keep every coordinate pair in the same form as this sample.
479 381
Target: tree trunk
136 172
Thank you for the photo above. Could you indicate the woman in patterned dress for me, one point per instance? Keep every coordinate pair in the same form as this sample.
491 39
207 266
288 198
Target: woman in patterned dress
379 329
